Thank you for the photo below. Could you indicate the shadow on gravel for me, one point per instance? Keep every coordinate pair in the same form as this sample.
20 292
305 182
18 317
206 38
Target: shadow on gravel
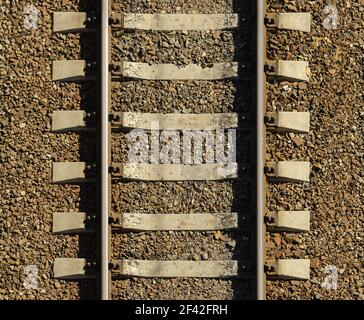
244 187
88 245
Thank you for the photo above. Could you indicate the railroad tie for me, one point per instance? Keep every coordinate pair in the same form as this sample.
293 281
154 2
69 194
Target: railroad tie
174 121
297 122
73 223
299 21
174 172
63 121
77 120
73 70
80 172
174 222
174 22
74 268
80 222
288 70
175 269
168 71
288 221
288 171
288 269
80 268
64 22
72 172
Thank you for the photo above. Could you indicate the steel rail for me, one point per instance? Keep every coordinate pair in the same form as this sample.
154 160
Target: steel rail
104 267
260 276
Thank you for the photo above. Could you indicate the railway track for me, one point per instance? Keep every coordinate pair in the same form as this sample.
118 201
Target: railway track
239 164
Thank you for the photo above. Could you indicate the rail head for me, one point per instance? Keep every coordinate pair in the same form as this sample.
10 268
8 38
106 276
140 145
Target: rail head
260 32
105 157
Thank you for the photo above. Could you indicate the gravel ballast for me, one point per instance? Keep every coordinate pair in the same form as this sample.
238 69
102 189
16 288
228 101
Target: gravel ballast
334 146
27 149
179 197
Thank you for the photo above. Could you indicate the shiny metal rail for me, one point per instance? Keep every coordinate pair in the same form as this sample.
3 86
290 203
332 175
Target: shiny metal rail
260 276
105 149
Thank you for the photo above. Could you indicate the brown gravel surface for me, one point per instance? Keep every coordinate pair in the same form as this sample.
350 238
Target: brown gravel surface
27 148
334 146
